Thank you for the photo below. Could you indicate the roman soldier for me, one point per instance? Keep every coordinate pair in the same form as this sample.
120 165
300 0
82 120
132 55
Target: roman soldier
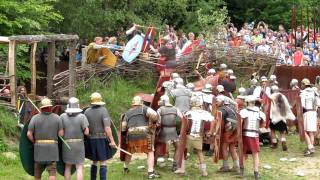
196 117
24 106
139 123
252 119
75 126
168 116
221 92
229 134
279 114
253 85
317 86
309 103
273 80
100 139
43 131
181 96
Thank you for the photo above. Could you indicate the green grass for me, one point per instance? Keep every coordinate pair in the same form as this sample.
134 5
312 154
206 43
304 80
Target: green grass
11 169
117 94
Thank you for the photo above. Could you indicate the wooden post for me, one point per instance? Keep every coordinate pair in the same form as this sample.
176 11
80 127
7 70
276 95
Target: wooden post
50 67
301 27
308 25
12 72
72 69
33 68
84 56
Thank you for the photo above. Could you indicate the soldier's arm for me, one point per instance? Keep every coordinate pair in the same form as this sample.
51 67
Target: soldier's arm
30 136
31 128
60 127
84 125
152 115
107 129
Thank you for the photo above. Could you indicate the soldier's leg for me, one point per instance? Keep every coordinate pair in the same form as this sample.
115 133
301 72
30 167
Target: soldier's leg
225 167
93 170
203 166
103 170
52 170
235 158
150 161
126 163
283 141
79 168
67 171
274 141
256 165
38 170
174 163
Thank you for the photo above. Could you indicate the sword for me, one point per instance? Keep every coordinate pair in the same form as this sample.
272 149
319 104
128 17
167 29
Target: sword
120 149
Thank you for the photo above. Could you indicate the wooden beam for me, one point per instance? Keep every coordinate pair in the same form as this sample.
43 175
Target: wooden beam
33 68
72 69
12 72
43 38
50 67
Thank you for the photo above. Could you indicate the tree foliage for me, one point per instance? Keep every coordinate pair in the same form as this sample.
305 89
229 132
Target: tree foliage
90 18
27 16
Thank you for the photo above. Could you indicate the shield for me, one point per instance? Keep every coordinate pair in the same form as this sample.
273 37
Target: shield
240 142
133 48
266 101
159 92
181 150
148 39
217 137
109 59
123 141
26 151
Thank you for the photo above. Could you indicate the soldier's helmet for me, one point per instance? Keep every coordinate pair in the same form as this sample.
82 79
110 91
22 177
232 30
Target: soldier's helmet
164 100
305 82
96 99
45 102
207 88
137 101
196 101
294 82
220 88
174 76
73 106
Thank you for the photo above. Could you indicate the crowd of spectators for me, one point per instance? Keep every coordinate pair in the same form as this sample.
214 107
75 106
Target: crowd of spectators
298 47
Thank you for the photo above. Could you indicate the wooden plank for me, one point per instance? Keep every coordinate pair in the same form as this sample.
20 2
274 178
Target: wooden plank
12 72
43 38
50 67
72 69
33 68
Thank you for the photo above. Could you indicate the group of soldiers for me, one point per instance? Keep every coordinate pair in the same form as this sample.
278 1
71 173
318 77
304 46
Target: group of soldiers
208 114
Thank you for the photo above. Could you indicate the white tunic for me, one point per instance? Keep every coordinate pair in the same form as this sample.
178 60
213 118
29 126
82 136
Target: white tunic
309 101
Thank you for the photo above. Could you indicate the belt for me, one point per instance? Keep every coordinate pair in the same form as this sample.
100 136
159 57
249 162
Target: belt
46 142
138 129
74 140
307 110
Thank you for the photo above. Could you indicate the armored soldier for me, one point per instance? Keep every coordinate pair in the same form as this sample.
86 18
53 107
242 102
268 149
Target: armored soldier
309 99
43 131
229 134
196 116
139 123
279 114
240 100
100 139
181 96
168 116
252 120
75 126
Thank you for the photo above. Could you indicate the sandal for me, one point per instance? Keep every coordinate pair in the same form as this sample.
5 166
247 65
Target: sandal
308 153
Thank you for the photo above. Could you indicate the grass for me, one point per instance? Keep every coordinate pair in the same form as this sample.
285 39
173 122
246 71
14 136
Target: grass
11 169
117 94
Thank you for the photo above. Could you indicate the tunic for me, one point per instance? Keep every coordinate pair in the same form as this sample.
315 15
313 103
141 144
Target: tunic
45 127
73 134
181 96
97 147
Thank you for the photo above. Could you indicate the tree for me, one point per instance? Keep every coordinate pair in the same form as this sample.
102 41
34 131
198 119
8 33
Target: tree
27 17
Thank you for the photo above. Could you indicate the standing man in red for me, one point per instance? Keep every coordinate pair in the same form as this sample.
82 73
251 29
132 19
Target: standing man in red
252 117
298 57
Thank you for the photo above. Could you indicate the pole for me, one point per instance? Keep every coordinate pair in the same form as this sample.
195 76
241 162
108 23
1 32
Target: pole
308 24
301 27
